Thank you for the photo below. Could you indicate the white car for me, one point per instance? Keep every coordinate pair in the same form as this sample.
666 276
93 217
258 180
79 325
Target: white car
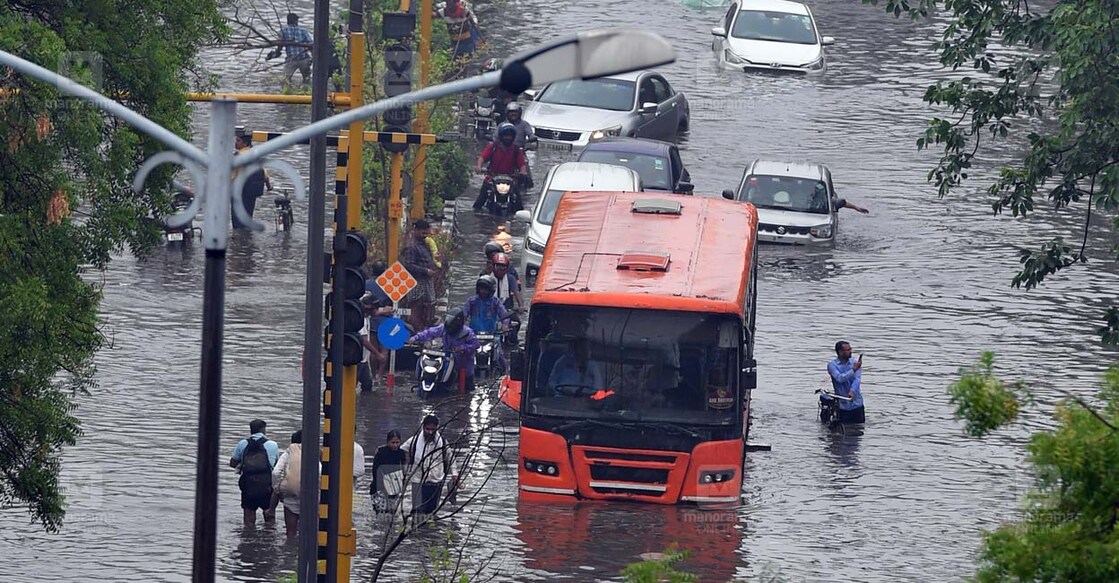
770 35
796 202
567 177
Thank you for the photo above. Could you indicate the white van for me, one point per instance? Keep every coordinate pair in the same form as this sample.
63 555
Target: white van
567 177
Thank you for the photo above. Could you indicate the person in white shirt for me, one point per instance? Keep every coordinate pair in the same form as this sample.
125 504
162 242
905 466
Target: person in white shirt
429 461
285 482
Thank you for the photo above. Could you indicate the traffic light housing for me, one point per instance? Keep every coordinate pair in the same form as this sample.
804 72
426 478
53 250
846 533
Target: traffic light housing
349 257
398 29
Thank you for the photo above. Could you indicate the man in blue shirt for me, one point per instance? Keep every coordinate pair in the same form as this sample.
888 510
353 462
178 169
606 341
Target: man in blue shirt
846 378
296 48
255 465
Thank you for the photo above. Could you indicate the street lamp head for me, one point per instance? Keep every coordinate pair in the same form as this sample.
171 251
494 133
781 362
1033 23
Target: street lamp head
586 55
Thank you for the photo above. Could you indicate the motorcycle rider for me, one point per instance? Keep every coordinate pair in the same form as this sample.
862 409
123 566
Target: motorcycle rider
458 340
485 314
504 157
493 248
526 137
508 286
501 98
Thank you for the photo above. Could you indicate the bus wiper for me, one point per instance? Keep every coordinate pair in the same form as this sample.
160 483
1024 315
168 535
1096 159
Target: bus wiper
582 422
672 427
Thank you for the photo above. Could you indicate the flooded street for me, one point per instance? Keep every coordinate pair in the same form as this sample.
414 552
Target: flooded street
920 286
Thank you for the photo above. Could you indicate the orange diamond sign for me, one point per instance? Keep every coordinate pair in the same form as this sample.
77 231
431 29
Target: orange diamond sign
396 281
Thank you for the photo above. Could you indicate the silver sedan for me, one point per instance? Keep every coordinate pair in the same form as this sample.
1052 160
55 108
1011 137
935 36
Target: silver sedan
570 114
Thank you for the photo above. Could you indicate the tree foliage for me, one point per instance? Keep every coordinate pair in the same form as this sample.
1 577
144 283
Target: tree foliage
1068 529
57 154
1046 74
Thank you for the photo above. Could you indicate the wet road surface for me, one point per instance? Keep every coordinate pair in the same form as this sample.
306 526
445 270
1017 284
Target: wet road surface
920 286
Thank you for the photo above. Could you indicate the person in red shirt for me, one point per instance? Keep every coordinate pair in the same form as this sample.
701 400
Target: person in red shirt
504 157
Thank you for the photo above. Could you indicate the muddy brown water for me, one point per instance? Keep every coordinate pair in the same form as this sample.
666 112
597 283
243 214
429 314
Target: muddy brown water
920 286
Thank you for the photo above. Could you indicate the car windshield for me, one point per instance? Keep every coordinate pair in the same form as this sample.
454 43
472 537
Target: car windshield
621 364
612 94
774 26
548 205
654 170
786 193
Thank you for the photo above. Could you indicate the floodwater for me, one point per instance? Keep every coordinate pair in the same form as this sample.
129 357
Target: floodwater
920 286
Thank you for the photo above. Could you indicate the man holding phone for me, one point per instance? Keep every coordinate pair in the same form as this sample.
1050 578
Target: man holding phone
846 378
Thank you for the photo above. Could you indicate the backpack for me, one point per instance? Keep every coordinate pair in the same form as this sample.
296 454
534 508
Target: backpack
289 486
255 458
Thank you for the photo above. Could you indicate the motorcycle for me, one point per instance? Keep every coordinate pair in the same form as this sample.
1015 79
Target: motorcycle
486 356
284 216
434 369
185 234
509 338
501 194
486 117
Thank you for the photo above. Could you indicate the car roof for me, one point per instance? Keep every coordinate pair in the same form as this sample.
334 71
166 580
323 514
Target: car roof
630 145
809 170
630 76
592 176
773 6
710 245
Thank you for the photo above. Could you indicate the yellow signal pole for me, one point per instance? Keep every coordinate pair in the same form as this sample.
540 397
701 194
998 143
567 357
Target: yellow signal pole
419 163
396 207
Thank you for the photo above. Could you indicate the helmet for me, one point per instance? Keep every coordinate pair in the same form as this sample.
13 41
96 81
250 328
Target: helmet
454 321
500 259
513 107
488 282
492 247
491 65
506 128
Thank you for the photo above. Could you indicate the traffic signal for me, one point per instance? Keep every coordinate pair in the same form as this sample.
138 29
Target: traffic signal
349 258
398 28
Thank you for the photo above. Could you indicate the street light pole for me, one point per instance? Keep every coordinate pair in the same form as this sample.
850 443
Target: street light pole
313 312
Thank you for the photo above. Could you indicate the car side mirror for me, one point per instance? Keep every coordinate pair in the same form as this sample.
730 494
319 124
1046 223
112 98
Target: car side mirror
530 94
827 40
516 365
685 187
523 216
719 31
748 377
728 194
648 108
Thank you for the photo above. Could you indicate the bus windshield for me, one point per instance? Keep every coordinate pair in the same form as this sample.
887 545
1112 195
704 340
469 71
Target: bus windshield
631 365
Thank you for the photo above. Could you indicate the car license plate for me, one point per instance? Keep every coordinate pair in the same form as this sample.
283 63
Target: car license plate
561 146
174 236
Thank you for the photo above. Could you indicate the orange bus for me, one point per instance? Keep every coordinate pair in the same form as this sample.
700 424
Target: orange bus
635 379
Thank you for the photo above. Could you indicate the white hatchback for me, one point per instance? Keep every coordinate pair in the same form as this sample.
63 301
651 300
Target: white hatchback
567 177
770 35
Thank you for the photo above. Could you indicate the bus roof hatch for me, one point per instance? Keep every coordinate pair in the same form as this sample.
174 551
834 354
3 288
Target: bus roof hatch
644 261
656 206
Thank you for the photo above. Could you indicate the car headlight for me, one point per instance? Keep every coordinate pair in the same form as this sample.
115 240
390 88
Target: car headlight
606 133
534 245
821 231
816 65
733 58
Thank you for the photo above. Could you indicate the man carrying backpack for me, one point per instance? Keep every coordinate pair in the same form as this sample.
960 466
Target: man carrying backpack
254 459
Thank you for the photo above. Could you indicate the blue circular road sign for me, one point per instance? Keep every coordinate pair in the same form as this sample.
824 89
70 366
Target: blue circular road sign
392 333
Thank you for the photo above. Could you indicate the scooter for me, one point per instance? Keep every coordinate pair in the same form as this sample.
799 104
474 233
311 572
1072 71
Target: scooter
434 369
284 216
501 194
513 328
185 234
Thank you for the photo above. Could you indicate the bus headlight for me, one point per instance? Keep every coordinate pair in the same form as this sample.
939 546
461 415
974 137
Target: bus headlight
545 468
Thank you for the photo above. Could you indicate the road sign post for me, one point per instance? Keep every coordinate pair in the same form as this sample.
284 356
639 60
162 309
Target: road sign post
396 282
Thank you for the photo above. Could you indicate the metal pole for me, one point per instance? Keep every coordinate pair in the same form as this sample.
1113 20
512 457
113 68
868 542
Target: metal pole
419 163
306 571
396 207
216 229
